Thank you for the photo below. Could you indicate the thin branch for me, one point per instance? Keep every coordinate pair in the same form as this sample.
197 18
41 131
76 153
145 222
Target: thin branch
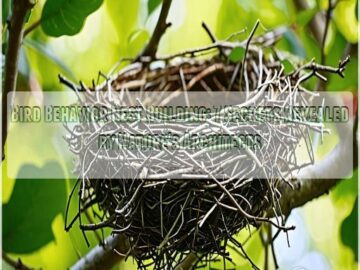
16 264
329 10
19 11
104 257
208 31
32 27
161 26
244 58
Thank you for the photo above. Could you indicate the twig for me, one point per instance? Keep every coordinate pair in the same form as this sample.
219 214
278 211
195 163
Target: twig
161 26
188 262
19 11
327 23
212 36
16 264
32 27
244 58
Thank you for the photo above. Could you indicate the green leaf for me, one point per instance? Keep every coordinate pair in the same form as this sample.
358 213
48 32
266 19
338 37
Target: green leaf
5 10
137 41
295 46
33 205
346 188
124 15
288 67
66 17
152 5
304 17
349 230
237 54
45 51
346 19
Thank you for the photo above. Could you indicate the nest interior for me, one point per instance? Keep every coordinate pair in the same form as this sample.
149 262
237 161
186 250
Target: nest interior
166 219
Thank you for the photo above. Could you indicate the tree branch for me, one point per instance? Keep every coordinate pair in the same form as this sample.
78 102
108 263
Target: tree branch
104 257
317 179
19 11
160 28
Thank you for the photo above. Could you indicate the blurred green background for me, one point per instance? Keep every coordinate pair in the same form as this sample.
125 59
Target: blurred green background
33 211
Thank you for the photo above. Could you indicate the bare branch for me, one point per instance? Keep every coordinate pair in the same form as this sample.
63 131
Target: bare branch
317 179
161 26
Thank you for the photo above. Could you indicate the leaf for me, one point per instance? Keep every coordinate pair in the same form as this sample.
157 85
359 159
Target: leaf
5 10
28 215
152 5
288 67
346 188
295 45
237 54
137 41
45 51
304 17
346 20
66 17
349 230
124 15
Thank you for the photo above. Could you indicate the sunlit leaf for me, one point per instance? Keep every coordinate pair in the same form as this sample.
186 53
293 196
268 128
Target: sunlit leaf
345 19
33 205
231 17
349 230
237 54
152 5
137 41
288 67
66 17
45 51
124 15
305 16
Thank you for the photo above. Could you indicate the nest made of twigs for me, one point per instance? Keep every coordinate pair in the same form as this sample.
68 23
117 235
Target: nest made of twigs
166 219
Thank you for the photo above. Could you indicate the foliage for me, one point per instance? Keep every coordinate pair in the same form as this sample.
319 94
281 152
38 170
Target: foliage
66 17
31 209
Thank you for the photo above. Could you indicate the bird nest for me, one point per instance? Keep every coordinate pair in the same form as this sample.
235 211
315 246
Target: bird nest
164 211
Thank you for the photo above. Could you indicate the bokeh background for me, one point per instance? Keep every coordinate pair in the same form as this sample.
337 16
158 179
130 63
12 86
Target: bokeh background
33 211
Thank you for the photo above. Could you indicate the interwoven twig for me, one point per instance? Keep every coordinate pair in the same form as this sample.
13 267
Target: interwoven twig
166 217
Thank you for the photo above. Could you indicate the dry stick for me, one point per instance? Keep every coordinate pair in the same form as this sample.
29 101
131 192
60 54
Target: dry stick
161 26
19 11
212 36
244 59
